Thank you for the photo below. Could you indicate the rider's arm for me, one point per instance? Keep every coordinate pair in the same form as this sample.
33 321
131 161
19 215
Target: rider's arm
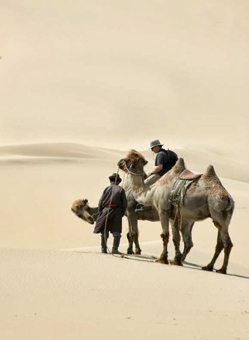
157 169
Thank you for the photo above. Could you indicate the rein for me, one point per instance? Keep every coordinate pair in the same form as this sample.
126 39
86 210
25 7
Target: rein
133 173
94 215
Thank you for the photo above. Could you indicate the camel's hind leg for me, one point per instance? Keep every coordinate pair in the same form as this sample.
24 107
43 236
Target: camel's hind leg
227 243
221 208
223 242
186 230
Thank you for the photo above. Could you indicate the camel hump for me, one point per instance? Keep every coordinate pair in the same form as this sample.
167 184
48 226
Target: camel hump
210 172
180 164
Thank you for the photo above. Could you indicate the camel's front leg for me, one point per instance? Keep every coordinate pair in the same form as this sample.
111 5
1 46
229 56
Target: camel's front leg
130 243
164 219
133 233
176 240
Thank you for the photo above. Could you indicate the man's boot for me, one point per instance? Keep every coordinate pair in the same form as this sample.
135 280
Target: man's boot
116 242
104 238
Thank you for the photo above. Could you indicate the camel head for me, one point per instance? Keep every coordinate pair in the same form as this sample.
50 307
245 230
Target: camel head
134 162
81 209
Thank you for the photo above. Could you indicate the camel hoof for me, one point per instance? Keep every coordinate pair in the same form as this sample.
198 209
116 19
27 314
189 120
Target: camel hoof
207 268
183 257
221 271
176 262
162 261
138 251
130 252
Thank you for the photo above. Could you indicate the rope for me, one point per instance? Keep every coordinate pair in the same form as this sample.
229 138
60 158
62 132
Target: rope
131 172
138 258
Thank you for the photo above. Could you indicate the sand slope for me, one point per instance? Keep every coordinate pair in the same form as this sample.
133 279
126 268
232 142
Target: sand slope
82 83
65 295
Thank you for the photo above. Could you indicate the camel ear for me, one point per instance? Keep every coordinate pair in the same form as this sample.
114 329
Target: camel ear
85 201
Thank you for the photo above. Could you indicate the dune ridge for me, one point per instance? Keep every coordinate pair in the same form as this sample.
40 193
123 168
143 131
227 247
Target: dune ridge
224 162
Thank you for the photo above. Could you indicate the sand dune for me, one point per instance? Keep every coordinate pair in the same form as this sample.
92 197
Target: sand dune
82 83
55 150
222 160
35 215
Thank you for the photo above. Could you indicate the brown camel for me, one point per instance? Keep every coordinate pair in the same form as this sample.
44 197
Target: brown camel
205 197
81 208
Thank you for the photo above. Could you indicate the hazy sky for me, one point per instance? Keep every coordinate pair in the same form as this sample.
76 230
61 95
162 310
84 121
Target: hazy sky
131 71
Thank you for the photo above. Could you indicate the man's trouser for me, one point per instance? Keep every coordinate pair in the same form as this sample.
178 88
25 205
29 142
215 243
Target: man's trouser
152 179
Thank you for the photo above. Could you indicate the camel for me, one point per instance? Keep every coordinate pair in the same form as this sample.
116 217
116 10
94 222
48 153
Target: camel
81 208
205 198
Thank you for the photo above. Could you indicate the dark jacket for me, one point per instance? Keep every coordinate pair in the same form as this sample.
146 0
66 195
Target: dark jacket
167 159
112 207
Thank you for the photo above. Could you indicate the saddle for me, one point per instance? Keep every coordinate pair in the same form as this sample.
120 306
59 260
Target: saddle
180 187
189 175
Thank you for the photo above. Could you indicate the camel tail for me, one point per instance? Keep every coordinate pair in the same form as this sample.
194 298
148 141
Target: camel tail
230 206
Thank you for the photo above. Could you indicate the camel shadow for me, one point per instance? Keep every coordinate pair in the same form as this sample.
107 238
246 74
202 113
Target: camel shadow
197 267
152 259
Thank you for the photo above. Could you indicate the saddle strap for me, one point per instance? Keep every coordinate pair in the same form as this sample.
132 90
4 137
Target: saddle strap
178 191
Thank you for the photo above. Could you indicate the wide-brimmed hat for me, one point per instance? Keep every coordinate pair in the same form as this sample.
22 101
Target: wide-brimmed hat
154 143
115 178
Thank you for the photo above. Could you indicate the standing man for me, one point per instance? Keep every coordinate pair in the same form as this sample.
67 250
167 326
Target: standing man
165 160
112 207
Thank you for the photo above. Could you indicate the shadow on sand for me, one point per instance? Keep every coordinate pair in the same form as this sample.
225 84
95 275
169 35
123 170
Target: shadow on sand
195 266
152 259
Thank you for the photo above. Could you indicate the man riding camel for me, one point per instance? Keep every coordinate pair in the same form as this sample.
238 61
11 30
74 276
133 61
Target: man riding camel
165 160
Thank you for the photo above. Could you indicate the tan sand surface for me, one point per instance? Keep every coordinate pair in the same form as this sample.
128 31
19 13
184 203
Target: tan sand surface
82 82
56 285
64 295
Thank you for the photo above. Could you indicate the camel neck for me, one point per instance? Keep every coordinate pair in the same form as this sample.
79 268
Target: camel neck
140 190
94 212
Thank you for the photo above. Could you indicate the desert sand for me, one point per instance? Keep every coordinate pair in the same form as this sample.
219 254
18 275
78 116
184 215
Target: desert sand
82 83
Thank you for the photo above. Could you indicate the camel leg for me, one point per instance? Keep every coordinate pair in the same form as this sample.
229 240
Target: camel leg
176 240
227 244
165 237
137 246
218 249
133 238
187 238
130 246
223 242
133 234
